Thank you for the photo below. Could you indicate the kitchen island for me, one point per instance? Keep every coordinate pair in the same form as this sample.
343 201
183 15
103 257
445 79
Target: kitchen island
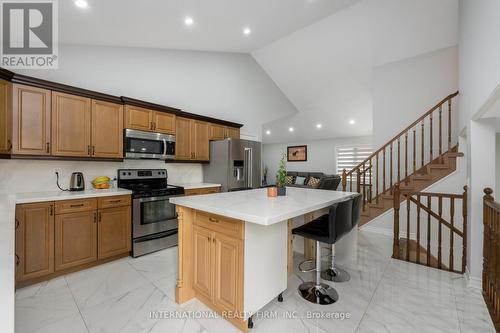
235 251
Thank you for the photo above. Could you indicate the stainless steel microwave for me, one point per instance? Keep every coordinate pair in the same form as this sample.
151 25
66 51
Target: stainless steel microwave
147 145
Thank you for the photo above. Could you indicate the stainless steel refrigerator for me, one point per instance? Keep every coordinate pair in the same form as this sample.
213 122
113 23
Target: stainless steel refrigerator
235 164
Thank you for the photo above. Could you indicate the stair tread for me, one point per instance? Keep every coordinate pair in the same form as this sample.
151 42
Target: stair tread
439 166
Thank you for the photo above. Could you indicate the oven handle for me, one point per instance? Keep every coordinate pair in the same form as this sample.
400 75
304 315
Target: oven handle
156 236
157 198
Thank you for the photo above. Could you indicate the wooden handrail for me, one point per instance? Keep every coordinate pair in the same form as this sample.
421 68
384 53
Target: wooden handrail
406 130
417 199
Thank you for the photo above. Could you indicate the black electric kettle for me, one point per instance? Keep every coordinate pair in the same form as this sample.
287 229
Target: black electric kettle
77 183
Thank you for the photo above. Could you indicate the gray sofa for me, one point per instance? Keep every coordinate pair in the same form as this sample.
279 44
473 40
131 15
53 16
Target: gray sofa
327 182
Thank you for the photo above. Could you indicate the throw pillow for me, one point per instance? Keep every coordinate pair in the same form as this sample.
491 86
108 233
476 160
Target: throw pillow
288 180
313 182
300 180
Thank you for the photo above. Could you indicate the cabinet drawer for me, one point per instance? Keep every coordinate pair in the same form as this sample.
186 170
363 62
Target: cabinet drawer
73 206
115 201
230 227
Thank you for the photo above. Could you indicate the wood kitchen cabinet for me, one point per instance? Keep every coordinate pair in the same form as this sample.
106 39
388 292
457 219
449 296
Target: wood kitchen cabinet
31 120
219 132
114 231
75 239
143 119
71 125
5 121
200 191
192 140
34 240
232 132
107 129
218 262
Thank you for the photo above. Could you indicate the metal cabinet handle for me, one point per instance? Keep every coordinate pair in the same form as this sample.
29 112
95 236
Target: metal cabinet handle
100 217
76 206
93 150
18 261
47 147
51 210
213 219
88 150
95 217
115 201
9 145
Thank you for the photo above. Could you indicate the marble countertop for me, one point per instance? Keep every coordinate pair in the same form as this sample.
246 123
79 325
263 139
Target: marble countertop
30 197
190 186
254 206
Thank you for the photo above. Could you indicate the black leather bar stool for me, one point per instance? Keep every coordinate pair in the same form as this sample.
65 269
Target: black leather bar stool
333 273
326 229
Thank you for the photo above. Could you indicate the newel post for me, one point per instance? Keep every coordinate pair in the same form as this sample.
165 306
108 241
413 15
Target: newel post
344 180
396 205
487 234
464 238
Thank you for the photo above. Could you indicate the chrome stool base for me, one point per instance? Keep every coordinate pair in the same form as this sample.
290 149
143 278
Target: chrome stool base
318 294
335 275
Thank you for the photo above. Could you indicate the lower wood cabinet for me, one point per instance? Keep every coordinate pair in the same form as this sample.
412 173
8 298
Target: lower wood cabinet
218 265
54 238
204 190
75 239
34 240
114 232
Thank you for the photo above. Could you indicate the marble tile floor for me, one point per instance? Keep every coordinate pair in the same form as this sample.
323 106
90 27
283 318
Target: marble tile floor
383 295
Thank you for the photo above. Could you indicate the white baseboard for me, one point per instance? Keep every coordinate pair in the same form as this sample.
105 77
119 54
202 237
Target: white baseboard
473 282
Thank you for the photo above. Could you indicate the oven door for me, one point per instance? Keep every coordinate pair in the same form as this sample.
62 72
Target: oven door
153 215
146 145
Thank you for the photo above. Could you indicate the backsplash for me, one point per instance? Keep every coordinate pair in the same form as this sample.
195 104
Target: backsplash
37 175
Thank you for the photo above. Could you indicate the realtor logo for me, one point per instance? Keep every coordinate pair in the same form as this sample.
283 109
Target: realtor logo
29 34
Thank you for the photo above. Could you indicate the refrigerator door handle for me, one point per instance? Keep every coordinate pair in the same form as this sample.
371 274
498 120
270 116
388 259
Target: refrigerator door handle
248 167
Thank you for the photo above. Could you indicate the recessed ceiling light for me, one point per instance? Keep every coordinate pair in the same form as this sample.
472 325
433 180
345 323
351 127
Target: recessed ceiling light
247 31
319 125
291 129
81 3
268 132
352 121
188 21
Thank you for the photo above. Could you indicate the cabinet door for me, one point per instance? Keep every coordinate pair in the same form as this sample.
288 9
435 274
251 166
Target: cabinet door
202 265
138 118
183 139
201 140
164 122
113 232
31 120
217 132
228 273
5 112
75 239
71 120
107 129
232 132
34 240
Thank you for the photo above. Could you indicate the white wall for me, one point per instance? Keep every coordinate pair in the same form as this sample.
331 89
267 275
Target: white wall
38 176
229 86
404 90
479 54
321 155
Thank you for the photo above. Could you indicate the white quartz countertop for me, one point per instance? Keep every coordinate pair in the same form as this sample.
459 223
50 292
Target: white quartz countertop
190 186
67 195
256 207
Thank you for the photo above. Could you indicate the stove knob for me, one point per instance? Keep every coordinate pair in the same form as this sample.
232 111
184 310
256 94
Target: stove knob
129 173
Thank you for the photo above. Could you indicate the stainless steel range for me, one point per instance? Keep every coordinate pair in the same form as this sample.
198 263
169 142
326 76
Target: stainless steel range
154 219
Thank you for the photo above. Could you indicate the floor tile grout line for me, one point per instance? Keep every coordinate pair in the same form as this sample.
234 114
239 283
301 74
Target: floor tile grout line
76 304
373 295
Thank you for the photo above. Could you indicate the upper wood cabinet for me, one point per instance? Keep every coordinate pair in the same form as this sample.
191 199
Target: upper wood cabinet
164 122
143 119
138 118
107 129
192 140
71 130
232 132
34 240
183 138
217 132
31 120
5 115
200 142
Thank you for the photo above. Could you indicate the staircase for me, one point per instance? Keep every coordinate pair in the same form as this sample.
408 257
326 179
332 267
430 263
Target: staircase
417 157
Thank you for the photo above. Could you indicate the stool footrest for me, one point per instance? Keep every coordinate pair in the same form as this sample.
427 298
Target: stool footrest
307 270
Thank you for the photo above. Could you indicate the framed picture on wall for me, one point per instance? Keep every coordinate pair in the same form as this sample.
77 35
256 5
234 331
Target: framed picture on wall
296 153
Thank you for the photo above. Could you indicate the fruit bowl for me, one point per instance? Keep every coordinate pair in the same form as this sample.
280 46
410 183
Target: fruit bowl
101 183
